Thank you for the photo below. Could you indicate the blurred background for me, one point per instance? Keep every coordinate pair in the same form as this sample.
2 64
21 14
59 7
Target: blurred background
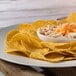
20 11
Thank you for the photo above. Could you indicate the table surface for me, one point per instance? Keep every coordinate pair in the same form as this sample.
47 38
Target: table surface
20 11
10 69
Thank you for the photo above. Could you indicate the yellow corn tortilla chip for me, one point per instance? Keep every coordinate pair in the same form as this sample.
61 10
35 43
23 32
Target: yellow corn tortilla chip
18 37
39 53
70 58
73 51
39 23
55 45
70 19
72 44
17 41
28 39
23 52
18 47
63 46
25 27
43 23
54 57
52 22
49 56
67 53
62 21
42 51
32 34
26 46
11 34
36 55
18 53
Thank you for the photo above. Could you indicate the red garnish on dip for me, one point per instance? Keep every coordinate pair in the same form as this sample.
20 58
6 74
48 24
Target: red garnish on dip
66 28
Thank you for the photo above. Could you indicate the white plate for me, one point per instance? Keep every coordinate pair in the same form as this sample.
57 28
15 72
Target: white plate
24 60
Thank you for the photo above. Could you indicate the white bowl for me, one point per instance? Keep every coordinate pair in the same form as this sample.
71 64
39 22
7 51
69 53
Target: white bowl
55 40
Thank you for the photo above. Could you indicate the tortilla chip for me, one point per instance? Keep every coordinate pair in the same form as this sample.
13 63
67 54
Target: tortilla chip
73 51
70 58
18 53
42 51
72 44
62 21
70 19
46 55
11 34
38 24
32 34
43 23
63 46
52 22
55 45
28 39
54 57
25 27
36 55
23 52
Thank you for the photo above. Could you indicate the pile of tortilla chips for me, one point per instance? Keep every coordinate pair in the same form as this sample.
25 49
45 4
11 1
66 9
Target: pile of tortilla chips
25 42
